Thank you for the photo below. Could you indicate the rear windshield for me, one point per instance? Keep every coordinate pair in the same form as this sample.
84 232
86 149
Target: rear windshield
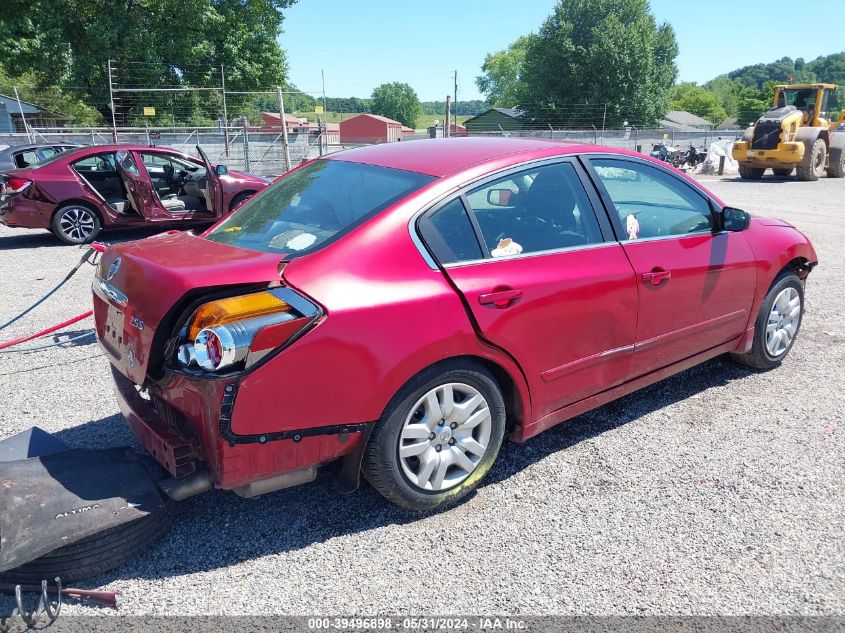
310 206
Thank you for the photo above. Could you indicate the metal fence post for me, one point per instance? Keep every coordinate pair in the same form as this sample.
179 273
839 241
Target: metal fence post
111 100
284 127
246 144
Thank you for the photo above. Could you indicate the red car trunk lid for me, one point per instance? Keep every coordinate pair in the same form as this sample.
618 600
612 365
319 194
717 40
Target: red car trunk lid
152 276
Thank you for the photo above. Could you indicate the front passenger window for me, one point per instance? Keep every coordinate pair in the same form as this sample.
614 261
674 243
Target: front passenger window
651 202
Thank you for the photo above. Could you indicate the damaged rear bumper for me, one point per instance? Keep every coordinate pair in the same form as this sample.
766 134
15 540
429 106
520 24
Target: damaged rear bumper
185 424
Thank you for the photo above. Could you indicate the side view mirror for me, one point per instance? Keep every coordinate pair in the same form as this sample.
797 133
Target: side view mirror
735 219
222 170
501 197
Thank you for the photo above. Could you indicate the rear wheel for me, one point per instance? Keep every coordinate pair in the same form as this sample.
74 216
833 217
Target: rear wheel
777 324
75 224
783 172
438 437
818 156
836 168
746 172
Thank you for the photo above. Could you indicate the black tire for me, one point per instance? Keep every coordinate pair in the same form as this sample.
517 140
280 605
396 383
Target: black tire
759 356
836 166
381 464
783 172
76 224
95 554
239 199
747 172
818 154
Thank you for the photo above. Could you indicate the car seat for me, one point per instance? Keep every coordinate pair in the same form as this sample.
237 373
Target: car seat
546 218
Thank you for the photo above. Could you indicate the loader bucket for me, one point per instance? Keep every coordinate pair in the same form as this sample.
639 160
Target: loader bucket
52 495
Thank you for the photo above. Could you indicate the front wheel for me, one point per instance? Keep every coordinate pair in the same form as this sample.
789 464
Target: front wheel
239 199
746 172
777 324
437 438
75 224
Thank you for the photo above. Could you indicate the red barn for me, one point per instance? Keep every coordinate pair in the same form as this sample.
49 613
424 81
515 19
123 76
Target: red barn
370 128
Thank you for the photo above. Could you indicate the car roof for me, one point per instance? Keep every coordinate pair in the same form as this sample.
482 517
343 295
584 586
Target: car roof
13 149
440 157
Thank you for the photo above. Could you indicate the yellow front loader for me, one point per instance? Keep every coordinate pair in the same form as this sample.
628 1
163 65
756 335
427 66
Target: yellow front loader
796 134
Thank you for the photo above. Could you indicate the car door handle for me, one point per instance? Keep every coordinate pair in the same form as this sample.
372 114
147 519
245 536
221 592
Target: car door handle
656 276
500 298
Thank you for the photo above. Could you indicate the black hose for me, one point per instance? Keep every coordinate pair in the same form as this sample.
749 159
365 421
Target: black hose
49 294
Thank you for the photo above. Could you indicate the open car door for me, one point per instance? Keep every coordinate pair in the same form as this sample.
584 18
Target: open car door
138 187
213 190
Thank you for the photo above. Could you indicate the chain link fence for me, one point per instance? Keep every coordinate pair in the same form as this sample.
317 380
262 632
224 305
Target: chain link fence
240 148
642 140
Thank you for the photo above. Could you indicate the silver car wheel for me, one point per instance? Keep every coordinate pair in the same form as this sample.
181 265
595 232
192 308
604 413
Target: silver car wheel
444 437
77 223
783 322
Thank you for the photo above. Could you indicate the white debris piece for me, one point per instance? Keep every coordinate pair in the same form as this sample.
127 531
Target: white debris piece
716 150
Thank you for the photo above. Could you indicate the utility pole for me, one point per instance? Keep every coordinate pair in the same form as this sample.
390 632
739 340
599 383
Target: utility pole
446 132
603 119
284 127
325 116
225 112
111 100
23 117
455 101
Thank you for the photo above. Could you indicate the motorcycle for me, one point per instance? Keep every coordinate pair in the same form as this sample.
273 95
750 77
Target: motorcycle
691 158
666 153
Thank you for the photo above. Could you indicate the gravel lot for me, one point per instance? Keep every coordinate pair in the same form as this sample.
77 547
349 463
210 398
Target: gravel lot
719 491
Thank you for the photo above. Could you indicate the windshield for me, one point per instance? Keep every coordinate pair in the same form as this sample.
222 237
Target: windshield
309 206
803 99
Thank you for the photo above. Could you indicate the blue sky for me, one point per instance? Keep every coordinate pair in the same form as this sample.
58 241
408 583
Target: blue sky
367 42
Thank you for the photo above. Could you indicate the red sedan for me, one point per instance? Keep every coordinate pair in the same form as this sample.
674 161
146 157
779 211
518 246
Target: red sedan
79 192
404 307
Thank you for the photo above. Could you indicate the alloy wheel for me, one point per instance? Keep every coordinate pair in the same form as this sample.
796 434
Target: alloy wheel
77 223
444 437
782 324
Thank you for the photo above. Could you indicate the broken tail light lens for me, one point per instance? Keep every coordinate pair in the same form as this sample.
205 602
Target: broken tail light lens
235 333
14 184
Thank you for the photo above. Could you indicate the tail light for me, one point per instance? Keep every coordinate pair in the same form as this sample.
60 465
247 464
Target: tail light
235 333
14 184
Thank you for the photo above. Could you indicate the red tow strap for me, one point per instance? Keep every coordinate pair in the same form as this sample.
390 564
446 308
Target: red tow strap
49 330
100 248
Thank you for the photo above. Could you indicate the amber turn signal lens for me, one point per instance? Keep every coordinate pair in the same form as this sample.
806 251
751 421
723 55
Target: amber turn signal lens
234 309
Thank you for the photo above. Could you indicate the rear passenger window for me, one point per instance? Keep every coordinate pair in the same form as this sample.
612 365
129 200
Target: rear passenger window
26 159
650 202
449 234
542 209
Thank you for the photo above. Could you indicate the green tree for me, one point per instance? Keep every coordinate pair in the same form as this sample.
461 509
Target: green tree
49 97
589 53
753 103
693 98
728 91
756 75
396 101
500 79
67 43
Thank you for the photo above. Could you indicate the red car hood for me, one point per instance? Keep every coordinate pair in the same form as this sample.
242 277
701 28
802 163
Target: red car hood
153 275
772 222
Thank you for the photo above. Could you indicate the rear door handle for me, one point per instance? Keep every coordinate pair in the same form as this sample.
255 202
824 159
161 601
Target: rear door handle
656 277
500 298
